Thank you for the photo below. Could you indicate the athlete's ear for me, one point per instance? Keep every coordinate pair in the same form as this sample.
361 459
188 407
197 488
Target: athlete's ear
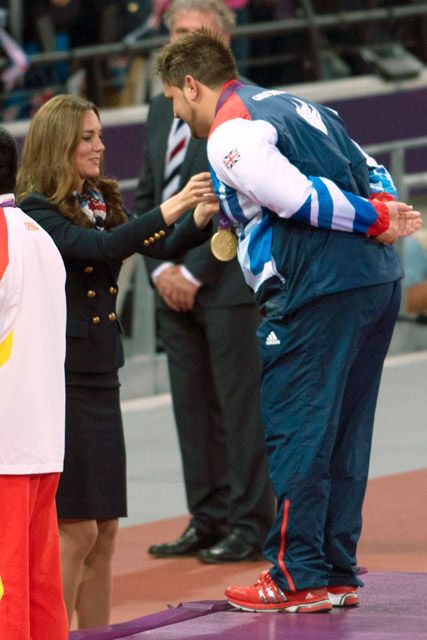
192 87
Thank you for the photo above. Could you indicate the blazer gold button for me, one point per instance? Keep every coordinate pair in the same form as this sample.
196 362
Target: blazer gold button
162 232
91 293
112 316
157 236
96 320
112 291
151 240
146 243
88 269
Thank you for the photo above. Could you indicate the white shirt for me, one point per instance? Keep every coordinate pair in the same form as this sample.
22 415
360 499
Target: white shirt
32 346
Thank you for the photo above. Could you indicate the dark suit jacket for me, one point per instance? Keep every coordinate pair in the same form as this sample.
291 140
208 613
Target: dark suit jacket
224 284
92 260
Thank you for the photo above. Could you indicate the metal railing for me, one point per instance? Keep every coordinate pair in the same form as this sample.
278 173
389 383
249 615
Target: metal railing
311 25
396 150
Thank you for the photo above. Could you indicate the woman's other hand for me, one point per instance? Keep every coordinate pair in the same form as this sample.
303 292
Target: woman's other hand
204 213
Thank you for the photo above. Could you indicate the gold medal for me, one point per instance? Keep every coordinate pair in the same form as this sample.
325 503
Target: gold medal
224 245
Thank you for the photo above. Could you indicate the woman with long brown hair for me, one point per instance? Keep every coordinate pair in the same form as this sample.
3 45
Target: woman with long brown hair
62 186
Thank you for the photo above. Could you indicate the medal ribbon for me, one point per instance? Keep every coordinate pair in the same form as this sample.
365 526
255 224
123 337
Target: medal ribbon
224 222
229 88
8 201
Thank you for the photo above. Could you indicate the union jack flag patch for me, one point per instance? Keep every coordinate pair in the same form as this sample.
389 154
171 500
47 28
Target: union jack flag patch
231 158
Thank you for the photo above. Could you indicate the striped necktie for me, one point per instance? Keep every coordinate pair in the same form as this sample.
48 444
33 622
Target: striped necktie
178 139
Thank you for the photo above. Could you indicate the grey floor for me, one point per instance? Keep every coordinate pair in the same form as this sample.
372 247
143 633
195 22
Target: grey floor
155 483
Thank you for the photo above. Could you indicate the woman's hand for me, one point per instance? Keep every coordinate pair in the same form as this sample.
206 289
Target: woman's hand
204 213
197 190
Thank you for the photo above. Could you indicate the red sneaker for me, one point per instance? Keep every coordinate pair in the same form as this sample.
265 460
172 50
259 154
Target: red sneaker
266 595
343 596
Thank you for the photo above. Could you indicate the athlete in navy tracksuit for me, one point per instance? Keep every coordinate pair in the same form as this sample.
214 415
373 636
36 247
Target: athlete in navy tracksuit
329 294
330 309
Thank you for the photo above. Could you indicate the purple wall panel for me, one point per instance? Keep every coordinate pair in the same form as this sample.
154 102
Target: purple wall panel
384 117
370 119
124 150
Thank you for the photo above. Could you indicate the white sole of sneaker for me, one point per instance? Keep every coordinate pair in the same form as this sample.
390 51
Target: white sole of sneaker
316 607
344 599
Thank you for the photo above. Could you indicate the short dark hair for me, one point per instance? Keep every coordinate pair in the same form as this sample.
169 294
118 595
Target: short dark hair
201 54
8 161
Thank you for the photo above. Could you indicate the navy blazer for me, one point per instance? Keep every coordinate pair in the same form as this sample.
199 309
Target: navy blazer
93 260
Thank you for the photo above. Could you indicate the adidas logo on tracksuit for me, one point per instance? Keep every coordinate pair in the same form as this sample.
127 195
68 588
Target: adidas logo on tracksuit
272 339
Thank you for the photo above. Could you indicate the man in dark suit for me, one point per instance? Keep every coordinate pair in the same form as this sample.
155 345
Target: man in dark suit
207 322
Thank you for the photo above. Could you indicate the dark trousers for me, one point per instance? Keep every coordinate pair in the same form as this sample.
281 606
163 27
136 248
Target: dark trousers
319 392
214 368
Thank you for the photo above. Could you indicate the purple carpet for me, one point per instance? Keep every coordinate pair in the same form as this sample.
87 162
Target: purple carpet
392 608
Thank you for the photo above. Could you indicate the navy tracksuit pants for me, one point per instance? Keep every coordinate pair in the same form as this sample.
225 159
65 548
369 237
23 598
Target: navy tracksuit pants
321 374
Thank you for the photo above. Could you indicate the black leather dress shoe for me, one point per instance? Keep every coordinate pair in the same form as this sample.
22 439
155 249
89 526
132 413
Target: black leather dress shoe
233 548
188 544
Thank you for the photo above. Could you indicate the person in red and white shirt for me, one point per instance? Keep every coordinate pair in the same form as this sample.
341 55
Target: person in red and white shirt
32 418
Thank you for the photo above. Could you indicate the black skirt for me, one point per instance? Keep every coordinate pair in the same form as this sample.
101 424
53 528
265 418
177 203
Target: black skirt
93 483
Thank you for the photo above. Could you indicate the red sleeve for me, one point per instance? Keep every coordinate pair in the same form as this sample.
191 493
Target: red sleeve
383 196
383 219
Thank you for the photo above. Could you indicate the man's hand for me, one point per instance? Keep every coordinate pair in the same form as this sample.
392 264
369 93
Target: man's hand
404 221
175 290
